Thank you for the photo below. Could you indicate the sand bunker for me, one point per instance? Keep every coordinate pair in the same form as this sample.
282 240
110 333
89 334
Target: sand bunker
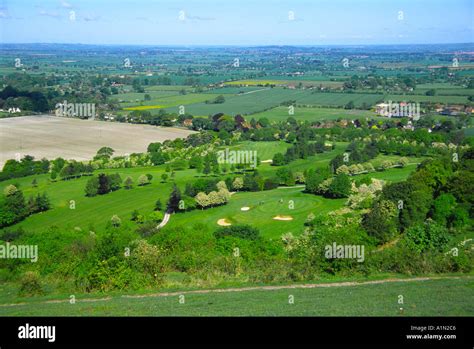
283 218
223 222
245 208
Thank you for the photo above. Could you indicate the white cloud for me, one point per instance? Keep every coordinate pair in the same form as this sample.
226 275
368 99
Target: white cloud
49 14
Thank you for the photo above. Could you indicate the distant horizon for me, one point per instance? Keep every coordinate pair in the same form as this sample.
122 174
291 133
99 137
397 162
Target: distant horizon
243 23
240 45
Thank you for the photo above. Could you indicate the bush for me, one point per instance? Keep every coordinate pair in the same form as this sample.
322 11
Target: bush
340 187
278 160
143 180
381 221
427 236
243 231
30 284
128 183
92 187
156 216
270 184
147 229
116 221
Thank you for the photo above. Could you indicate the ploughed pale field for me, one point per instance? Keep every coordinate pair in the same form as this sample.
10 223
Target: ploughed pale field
50 137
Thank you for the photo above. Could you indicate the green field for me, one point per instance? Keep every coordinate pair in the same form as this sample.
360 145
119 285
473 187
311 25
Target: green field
234 90
135 97
439 297
421 98
313 114
99 209
264 206
285 81
174 100
264 99
251 100
265 150
339 99
245 103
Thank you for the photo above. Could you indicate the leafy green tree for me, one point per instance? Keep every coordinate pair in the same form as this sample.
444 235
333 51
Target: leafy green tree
104 184
340 187
238 183
128 183
427 236
158 205
116 221
104 153
92 187
202 200
219 99
157 158
285 176
143 180
443 208
115 181
10 190
278 159
15 204
381 221
174 199
135 215
207 166
412 200
156 216
432 173
195 162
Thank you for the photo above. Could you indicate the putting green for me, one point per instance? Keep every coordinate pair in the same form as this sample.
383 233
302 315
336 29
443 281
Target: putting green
264 206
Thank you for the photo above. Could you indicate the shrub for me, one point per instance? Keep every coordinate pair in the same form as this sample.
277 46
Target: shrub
30 284
427 236
278 159
10 190
237 184
156 216
116 221
243 231
146 257
340 187
128 184
147 229
92 187
143 180
270 184
381 221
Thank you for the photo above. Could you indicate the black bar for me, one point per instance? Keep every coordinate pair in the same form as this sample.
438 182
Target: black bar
318 331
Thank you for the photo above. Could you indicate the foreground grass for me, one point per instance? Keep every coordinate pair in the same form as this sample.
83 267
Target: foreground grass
438 297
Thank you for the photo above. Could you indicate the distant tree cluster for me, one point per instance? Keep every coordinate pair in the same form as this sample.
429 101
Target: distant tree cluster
214 198
298 151
103 184
439 190
27 166
32 101
14 208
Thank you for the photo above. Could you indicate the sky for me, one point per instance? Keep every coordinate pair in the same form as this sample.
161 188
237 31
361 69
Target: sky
237 22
